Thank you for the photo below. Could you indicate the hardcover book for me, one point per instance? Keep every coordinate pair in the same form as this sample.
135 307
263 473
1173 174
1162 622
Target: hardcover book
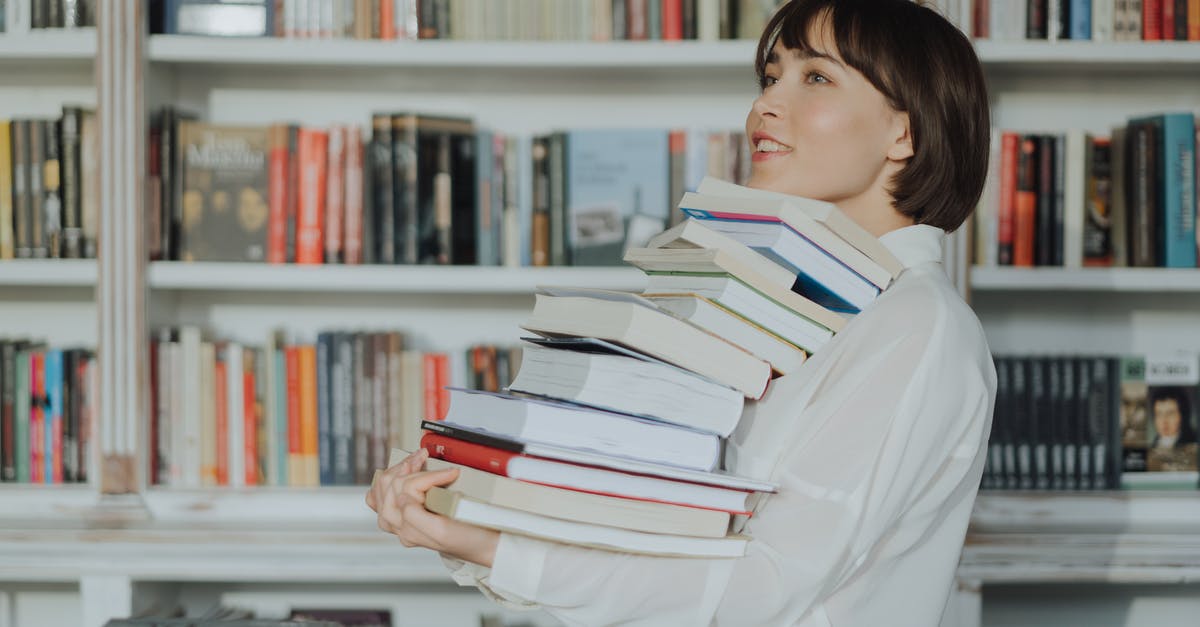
224 201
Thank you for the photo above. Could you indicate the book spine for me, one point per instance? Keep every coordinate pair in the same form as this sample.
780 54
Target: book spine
379 402
281 414
251 420
52 207
382 190
22 210
54 416
310 222
295 448
221 405
672 20
362 409
277 194
560 240
72 202
1081 19
1152 15
36 191
37 416
324 367
89 173
1025 216
6 190
1178 190
343 418
22 409
1037 19
1140 188
1099 214
1044 242
1058 202
308 416
352 244
395 388
1193 20
476 456
8 376
335 210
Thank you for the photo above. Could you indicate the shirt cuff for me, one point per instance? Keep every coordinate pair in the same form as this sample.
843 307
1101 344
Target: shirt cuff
518 565
470 574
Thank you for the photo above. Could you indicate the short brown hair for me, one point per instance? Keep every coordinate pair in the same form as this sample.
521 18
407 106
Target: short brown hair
926 68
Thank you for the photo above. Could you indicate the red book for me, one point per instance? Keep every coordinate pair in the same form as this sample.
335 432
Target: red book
249 422
1152 19
309 223
981 19
590 479
1025 216
442 363
635 20
672 20
37 417
352 245
291 356
1168 19
387 20
277 193
1006 214
221 384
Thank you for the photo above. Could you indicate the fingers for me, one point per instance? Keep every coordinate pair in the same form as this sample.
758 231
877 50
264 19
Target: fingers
416 485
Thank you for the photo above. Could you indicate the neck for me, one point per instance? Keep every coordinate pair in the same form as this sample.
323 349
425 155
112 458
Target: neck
873 211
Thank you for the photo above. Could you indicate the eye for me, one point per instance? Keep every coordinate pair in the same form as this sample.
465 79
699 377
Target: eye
815 77
767 80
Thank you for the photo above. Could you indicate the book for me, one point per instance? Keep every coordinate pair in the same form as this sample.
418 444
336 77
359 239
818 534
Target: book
456 506
813 272
631 385
559 423
224 198
585 478
720 262
596 509
7 250
736 296
789 209
652 332
705 313
591 458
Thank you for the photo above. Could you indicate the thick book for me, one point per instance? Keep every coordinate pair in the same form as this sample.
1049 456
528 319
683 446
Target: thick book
456 506
572 505
707 314
719 262
652 332
590 458
575 426
810 269
586 478
794 209
1176 187
630 385
734 295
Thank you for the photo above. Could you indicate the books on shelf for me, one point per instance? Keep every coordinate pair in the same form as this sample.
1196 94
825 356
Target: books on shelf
49 199
47 407
1158 426
1059 20
1077 200
465 20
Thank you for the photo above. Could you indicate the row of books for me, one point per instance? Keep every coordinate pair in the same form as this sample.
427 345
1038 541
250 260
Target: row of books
1077 200
1094 423
420 189
289 414
622 396
47 407
1095 20
22 15
544 20
49 181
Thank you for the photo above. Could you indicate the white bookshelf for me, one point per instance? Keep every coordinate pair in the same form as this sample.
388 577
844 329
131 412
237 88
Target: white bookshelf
51 45
462 280
1107 280
48 273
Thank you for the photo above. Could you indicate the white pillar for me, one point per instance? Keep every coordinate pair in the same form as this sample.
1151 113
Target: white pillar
105 597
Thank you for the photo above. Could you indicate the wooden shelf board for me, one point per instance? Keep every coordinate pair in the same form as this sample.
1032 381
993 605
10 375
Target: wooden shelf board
998 279
378 278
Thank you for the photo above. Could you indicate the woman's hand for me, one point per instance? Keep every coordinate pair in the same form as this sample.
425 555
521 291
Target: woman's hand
398 497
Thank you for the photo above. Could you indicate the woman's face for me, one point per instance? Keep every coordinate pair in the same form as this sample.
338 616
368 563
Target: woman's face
821 130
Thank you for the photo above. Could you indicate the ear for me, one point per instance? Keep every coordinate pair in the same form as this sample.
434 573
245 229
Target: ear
902 147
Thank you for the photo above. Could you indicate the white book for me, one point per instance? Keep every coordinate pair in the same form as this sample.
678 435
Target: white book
1103 19
1075 196
458 507
583 428
192 399
176 414
236 415
628 385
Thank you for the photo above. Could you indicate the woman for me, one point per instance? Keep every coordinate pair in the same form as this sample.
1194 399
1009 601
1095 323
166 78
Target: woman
878 440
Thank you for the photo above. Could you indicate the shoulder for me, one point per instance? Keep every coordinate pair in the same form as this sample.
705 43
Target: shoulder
923 306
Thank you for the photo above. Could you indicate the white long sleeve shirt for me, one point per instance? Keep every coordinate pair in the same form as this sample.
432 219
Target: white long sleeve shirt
877 443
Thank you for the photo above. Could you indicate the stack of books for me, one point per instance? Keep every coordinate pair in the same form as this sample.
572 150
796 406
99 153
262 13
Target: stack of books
611 433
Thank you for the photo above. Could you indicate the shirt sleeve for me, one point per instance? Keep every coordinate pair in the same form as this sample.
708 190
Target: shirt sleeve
859 456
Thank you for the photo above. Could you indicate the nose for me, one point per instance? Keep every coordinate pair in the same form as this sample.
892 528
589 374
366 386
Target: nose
767 105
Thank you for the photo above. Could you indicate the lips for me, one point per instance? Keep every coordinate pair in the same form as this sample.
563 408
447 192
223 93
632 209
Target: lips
768 147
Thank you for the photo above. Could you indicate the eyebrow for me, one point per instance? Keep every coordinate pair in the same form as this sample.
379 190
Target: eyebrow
773 57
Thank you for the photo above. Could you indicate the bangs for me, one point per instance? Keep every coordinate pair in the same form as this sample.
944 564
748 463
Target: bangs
862 41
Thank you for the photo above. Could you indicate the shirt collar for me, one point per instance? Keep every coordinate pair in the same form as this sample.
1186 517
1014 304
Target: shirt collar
915 245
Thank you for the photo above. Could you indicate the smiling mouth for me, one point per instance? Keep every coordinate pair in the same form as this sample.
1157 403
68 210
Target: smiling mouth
771 146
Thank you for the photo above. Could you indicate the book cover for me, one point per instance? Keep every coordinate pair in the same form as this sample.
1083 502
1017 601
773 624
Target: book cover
617 193
1098 210
1171 411
224 200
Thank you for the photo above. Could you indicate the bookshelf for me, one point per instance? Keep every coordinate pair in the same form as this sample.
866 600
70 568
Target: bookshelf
243 544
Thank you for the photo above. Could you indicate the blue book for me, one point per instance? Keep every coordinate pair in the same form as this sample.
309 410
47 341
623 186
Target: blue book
54 415
224 18
617 192
1176 183
343 409
1081 19
489 203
